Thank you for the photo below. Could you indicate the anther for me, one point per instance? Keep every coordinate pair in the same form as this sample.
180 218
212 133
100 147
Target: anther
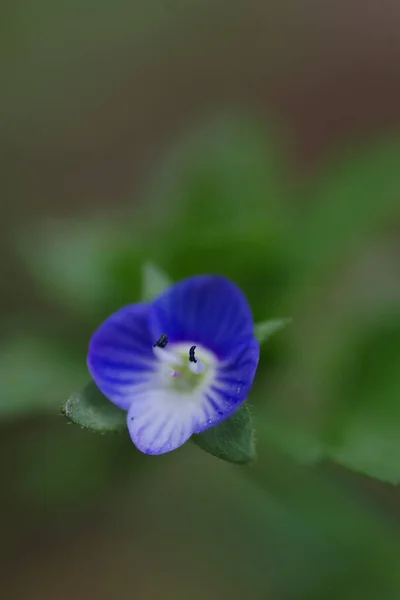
162 342
192 357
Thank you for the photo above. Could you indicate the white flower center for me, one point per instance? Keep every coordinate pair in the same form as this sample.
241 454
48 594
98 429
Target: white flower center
185 367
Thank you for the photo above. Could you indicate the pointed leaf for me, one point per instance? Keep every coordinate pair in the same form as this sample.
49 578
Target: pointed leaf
92 410
232 440
154 281
265 329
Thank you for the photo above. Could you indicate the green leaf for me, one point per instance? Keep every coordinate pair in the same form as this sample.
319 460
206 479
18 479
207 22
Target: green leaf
356 195
92 410
91 267
218 177
228 209
232 440
265 329
35 374
363 430
155 281
69 261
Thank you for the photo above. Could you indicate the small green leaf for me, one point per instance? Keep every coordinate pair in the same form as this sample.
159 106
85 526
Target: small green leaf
232 440
154 282
92 410
264 330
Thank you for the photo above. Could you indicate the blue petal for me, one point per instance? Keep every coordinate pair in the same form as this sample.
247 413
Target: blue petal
121 359
206 309
231 386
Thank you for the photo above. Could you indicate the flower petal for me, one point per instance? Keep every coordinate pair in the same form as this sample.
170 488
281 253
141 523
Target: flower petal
207 309
231 387
160 421
121 359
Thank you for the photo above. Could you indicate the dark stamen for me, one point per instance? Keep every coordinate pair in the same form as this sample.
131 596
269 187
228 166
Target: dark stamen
192 357
162 342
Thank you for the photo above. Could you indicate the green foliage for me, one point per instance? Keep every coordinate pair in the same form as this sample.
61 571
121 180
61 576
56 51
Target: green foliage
325 252
354 197
233 440
291 437
363 425
34 373
221 204
228 210
155 281
84 267
264 330
351 354
92 410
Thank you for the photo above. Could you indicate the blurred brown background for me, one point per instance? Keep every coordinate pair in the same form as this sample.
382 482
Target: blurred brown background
91 95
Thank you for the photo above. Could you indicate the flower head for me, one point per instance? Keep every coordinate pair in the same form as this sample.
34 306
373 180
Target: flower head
179 365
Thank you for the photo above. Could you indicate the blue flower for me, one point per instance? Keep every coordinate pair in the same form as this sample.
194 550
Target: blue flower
179 365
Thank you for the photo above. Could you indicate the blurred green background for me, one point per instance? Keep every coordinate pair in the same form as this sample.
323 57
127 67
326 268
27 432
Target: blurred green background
255 139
